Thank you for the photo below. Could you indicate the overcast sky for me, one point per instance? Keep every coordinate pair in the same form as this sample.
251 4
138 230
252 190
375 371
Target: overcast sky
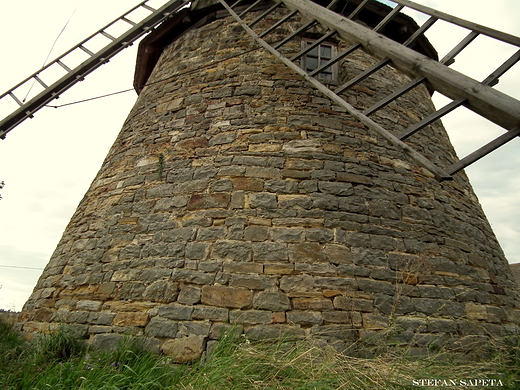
49 162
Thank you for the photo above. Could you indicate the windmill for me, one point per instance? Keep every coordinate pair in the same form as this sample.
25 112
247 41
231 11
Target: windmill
495 106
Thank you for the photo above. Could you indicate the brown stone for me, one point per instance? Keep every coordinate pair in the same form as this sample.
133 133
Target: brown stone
247 184
130 319
192 143
476 312
279 269
338 254
307 252
226 297
104 290
331 293
366 90
42 315
312 304
278 318
184 349
208 201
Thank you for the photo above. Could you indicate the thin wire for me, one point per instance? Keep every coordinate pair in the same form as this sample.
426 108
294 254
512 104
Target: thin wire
50 51
92 98
16 266
156 82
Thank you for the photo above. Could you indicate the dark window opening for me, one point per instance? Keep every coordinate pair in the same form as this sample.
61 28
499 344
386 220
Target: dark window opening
318 56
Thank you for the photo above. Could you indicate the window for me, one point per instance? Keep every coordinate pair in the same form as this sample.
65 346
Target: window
318 56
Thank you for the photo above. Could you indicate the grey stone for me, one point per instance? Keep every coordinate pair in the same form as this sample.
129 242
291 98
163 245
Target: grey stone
335 331
319 235
374 286
190 276
152 274
274 332
353 204
78 317
210 313
161 291
256 233
221 185
263 200
336 188
237 200
384 209
181 234
101 318
194 328
211 233
297 283
282 186
189 295
270 251
248 90
304 317
253 282
334 283
294 202
175 312
161 327
232 250
273 301
353 304
131 290
220 330
325 201
287 234
205 172
210 265
88 305
192 186
107 342
427 305
308 186
439 325
317 269
251 317
416 214
180 175
197 250
251 161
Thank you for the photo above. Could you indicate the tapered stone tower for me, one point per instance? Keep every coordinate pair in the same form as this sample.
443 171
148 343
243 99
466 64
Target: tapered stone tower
238 195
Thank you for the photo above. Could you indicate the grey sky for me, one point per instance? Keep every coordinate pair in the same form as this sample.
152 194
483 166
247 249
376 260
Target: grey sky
49 162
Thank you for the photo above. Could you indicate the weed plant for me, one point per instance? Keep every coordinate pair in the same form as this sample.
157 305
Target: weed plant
60 362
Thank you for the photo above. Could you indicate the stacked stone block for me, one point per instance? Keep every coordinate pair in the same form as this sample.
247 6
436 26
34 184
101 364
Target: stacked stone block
237 197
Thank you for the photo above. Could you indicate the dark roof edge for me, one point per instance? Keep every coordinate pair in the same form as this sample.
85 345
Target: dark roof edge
152 46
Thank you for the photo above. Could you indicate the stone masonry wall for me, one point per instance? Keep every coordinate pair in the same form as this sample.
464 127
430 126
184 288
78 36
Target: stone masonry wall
237 195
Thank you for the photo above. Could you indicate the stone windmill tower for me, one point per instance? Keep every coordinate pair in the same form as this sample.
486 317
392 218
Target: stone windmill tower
262 181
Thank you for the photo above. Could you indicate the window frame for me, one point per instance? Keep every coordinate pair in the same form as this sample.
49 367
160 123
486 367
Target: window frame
333 52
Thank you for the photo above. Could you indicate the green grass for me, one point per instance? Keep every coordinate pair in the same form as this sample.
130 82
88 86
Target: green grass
60 362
